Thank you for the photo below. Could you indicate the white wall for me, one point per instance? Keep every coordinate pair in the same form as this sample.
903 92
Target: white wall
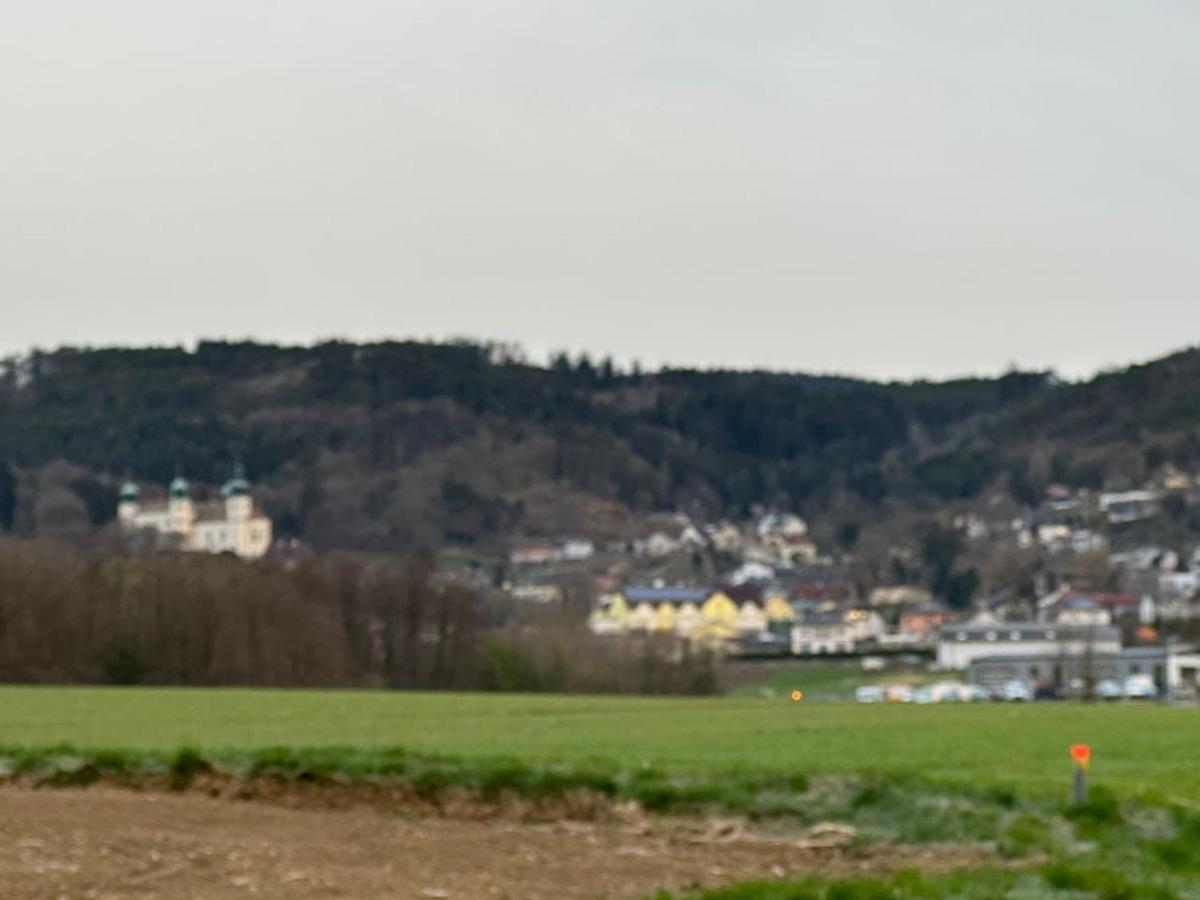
956 654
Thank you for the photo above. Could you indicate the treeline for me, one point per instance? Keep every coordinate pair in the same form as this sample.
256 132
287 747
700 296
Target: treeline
68 616
374 446
339 437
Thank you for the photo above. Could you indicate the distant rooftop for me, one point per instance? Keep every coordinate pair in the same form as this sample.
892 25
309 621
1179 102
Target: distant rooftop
1028 631
642 594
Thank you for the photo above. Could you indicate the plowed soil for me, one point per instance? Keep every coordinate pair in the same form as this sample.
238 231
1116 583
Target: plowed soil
106 842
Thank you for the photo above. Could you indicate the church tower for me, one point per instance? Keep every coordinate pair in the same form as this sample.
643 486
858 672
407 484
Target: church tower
236 491
181 514
127 504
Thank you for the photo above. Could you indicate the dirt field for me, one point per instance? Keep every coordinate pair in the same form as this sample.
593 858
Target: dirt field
107 842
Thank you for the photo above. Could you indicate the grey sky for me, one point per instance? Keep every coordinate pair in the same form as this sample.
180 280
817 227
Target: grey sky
880 188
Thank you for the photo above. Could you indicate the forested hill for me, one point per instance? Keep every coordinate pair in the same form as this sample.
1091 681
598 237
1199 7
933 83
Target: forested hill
398 445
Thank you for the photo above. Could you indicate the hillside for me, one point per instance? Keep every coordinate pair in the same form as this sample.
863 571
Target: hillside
395 446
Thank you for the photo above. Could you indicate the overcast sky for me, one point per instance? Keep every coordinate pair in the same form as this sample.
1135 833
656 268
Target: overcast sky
879 188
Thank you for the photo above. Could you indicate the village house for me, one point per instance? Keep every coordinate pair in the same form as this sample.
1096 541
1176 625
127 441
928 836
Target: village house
835 631
924 621
1063 538
792 548
692 538
232 525
780 523
657 544
1067 607
1172 479
900 595
533 554
752 573
1127 607
1130 506
784 536
577 549
725 538
538 590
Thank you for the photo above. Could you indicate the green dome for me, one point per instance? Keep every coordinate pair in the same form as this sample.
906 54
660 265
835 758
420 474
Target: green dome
237 486
180 489
130 491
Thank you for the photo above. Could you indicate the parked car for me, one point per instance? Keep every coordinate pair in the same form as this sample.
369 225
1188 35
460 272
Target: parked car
898 693
1015 691
870 693
950 692
923 695
1046 692
1139 687
977 693
1108 690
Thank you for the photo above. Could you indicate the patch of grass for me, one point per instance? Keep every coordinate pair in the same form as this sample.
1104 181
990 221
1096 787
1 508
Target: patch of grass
1061 879
430 784
185 766
1180 852
1100 882
909 885
1025 835
1101 811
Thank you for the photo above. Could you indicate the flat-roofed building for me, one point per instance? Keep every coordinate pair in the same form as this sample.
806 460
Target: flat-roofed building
960 645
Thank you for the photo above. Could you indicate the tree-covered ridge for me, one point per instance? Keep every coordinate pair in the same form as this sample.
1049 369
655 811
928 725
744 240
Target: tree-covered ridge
432 441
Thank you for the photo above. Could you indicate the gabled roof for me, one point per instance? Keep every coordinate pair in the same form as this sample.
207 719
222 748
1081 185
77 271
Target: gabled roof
832 617
653 595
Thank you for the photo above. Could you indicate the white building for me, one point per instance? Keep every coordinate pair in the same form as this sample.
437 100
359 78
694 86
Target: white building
1066 607
781 524
727 538
1130 506
577 549
229 526
959 645
837 631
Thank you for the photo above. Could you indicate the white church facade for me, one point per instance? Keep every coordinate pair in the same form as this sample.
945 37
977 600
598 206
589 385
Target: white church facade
231 525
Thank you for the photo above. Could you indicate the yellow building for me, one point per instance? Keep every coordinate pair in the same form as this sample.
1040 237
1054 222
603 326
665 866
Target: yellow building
232 525
693 613
778 609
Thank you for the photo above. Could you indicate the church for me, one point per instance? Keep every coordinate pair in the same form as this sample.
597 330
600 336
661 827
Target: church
231 525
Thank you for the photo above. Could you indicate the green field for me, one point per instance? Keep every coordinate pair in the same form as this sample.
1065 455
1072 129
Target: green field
1138 748
992 775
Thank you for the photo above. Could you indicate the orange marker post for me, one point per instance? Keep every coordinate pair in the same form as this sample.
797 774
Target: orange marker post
1081 755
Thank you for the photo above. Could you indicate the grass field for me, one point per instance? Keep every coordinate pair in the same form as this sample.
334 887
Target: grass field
992 775
1138 749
